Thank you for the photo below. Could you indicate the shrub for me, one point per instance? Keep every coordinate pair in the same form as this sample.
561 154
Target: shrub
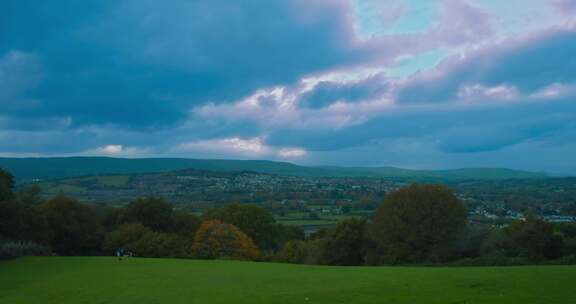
293 252
161 245
492 260
126 236
566 260
10 250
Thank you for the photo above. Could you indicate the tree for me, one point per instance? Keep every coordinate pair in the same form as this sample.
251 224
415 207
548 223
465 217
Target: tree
419 223
30 195
471 241
345 244
185 224
74 227
256 222
215 239
292 252
285 233
126 236
161 245
535 239
6 185
21 222
144 242
152 212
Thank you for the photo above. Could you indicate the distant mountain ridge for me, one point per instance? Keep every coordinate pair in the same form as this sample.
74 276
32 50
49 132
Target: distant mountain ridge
62 167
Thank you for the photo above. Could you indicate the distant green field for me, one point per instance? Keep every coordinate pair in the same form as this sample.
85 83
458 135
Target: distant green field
145 281
318 222
114 180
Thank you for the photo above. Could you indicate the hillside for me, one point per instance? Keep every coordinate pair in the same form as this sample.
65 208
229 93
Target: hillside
87 280
60 167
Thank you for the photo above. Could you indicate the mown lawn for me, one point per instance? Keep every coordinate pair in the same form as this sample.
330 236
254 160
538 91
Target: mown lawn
105 280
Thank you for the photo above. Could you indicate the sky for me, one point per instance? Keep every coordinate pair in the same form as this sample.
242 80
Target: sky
408 83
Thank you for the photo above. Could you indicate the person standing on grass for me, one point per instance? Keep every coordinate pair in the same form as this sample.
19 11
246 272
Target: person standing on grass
120 253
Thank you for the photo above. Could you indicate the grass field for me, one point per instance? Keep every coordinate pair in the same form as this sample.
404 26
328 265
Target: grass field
145 281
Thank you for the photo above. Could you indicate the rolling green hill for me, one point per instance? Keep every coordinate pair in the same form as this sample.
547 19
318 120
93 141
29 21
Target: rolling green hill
60 167
91 280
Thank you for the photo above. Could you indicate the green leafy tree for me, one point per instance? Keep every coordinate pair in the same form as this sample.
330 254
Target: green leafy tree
6 185
285 233
294 252
535 239
215 239
20 222
125 236
152 212
74 227
419 223
30 195
345 244
161 245
185 224
255 221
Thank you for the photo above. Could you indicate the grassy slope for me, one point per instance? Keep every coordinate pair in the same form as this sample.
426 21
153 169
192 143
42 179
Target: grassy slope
105 280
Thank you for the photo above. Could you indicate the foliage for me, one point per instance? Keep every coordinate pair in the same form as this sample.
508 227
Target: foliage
10 249
535 239
6 185
159 244
252 220
491 260
345 244
184 224
153 212
286 233
292 252
419 223
126 237
30 195
215 239
470 243
23 222
74 226
142 241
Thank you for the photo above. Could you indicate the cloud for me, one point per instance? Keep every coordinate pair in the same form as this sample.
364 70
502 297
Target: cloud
301 80
528 64
292 153
111 149
141 65
239 147
565 7
480 92
19 73
461 23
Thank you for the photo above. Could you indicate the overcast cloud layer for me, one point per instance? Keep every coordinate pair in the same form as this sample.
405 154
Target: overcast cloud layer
439 84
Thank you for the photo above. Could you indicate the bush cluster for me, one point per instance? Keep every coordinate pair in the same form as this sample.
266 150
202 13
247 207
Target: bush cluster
11 249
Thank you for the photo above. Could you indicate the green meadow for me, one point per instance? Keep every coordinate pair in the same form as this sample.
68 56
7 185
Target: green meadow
101 280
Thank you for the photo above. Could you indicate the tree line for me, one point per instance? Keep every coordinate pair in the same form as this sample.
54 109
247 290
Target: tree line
419 224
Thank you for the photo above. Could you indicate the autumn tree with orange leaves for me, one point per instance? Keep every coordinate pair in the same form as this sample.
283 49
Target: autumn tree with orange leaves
215 239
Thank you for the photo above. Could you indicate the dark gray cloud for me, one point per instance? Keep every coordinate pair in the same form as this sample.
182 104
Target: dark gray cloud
329 92
461 129
144 64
